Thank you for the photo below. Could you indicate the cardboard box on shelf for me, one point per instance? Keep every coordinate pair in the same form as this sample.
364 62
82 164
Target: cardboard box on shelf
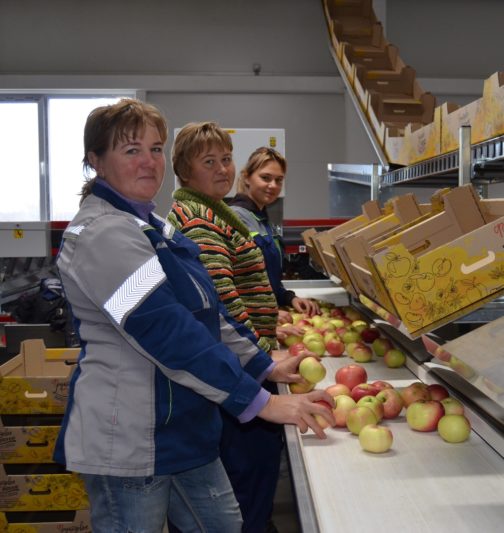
50 522
444 266
36 380
454 116
30 442
353 248
46 487
493 108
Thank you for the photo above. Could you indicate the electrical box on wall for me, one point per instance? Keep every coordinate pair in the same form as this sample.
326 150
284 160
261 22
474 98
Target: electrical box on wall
245 141
24 239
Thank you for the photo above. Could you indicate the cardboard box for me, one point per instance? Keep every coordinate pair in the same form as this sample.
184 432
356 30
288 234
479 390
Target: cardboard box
50 522
443 267
493 108
453 117
478 356
37 379
40 488
353 248
31 442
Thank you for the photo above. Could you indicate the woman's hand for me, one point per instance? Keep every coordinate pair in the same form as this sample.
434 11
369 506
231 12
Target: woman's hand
305 305
300 409
282 332
286 370
284 317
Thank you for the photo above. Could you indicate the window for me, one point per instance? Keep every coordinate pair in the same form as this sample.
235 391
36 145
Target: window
41 149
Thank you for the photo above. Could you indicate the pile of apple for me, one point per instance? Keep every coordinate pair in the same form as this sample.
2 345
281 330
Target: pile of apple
360 406
339 331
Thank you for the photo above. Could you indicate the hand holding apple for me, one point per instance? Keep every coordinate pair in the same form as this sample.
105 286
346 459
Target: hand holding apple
299 409
312 369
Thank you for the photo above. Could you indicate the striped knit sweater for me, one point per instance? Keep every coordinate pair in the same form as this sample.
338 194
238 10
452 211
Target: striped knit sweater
233 260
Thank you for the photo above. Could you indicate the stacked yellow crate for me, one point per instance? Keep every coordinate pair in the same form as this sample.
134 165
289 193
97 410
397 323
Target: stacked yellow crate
36 494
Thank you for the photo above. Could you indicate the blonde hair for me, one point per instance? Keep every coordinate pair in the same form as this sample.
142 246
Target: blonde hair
256 161
106 126
192 140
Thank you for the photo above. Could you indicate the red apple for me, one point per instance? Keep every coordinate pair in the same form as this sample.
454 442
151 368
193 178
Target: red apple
343 404
424 415
454 428
301 388
394 358
350 347
379 384
336 312
381 346
368 335
437 391
414 392
312 369
452 406
362 354
338 389
358 417
297 348
392 402
374 404
363 389
351 375
335 347
375 439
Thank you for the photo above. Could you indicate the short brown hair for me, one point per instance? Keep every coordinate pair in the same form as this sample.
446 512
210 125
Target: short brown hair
107 125
192 140
256 161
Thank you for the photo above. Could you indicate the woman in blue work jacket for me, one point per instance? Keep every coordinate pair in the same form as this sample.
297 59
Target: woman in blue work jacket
259 185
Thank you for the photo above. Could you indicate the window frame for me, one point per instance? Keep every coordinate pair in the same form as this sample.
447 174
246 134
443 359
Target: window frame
42 100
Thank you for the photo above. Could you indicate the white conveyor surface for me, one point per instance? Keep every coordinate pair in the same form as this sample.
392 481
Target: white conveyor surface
422 484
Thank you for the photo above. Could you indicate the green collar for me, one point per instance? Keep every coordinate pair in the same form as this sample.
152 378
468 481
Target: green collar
220 208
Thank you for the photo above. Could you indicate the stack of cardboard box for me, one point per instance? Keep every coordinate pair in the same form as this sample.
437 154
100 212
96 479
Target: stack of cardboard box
36 494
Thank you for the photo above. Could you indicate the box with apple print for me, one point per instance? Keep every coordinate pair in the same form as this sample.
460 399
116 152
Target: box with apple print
49 522
446 267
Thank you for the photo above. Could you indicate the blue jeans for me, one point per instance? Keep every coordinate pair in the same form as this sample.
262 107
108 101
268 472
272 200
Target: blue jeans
198 500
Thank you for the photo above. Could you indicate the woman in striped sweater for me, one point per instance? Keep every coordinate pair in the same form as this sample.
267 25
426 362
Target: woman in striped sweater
203 163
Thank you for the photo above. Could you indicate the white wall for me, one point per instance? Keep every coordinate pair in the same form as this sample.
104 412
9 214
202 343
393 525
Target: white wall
194 59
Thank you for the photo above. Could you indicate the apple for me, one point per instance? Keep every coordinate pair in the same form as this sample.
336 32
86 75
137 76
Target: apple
291 339
381 346
350 336
350 347
337 323
454 428
358 417
351 375
375 439
452 406
338 389
394 358
318 321
437 391
369 334
315 343
342 405
379 384
335 347
359 325
363 389
414 392
321 421
351 313
374 404
336 312
392 402
297 348
312 369
362 354
424 415
301 388
296 317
